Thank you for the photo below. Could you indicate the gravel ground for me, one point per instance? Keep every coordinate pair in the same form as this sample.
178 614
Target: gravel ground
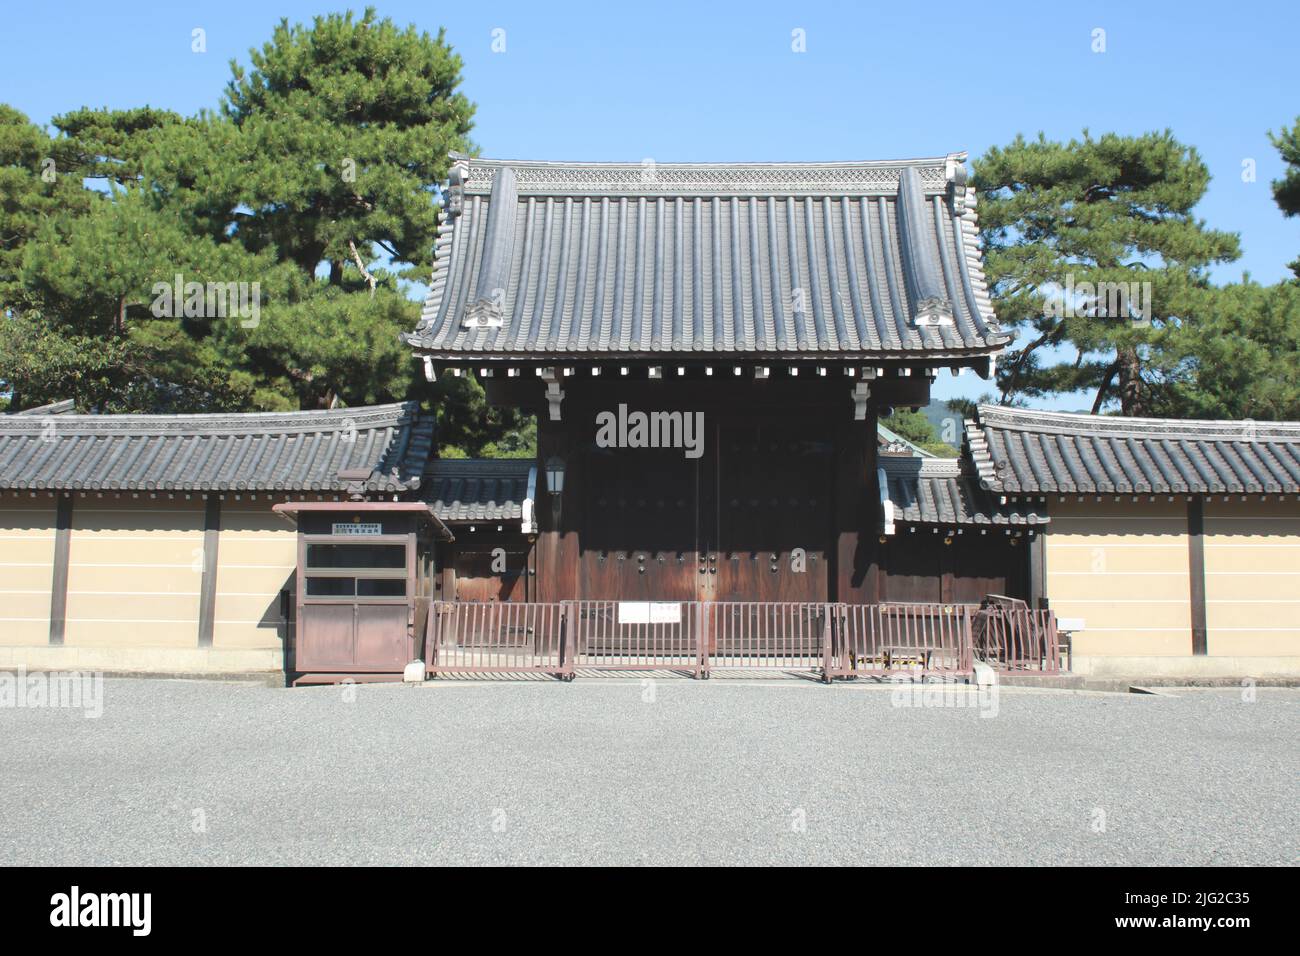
718 772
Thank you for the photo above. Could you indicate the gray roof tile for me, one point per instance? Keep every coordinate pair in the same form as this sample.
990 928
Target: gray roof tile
478 489
784 259
1022 451
272 451
941 491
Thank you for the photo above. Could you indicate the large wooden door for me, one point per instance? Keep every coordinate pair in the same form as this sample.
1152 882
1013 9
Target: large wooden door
639 538
770 512
748 521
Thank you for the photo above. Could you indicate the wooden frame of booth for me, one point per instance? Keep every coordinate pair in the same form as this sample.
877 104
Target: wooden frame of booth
361 596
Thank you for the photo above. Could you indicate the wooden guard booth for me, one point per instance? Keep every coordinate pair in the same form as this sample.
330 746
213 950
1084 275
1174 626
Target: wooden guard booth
365 577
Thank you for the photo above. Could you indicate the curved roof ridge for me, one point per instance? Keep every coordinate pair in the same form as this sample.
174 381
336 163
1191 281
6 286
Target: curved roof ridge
907 161
1040 420
207 423
475 175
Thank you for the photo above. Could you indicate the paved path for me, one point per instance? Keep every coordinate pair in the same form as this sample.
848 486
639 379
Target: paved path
717 772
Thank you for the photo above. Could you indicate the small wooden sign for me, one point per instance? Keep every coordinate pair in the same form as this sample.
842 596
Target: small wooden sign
649 612
357 528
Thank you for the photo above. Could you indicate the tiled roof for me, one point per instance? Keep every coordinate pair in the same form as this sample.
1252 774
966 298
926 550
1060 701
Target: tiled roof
480 489
891 443
280 451
64 406
846 259
1020 451
939 491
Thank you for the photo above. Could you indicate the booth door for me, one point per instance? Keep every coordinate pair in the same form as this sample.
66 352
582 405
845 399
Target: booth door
353 637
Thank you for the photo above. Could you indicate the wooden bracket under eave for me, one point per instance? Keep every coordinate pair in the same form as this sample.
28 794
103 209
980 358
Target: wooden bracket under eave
554 394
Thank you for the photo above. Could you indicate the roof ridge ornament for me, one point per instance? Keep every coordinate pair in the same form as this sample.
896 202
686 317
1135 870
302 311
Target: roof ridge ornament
487 310
355 480
457 176
921 270
869 178
954 171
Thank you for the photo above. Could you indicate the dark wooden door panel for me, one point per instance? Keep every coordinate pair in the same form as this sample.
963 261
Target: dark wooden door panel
638 540
476 579
771 523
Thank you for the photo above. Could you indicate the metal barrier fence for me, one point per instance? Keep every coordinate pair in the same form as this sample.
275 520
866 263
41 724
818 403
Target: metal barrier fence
614 635
926 640
835 640
498 637
1017 639
774 635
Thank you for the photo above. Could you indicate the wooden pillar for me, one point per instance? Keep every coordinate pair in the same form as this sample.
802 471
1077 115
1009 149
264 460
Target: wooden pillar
854 567
946 572
448 573
208 584
1196 573
557 537
1037 570
59 583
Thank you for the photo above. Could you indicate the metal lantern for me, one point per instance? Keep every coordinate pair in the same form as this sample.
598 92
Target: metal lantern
555 475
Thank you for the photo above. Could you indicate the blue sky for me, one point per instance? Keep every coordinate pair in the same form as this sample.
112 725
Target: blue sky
717 82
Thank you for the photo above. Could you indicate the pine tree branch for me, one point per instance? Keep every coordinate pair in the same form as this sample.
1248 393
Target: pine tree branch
362 266
1104 387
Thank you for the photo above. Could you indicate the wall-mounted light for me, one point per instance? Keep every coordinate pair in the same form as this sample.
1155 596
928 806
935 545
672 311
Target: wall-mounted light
555 475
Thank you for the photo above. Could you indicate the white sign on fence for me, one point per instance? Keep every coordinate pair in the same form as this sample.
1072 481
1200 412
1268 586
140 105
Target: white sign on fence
356 528
649 612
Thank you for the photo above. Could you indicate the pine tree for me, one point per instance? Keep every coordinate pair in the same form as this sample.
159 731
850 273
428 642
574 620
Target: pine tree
1287 189
315 180
1111 219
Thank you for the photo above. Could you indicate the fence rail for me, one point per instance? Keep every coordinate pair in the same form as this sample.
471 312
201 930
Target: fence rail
658 636
1018 639
774 635
926 640
498 637
833 639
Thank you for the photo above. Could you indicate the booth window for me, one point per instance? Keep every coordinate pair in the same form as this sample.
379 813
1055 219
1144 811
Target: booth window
336 557
356 570
356 587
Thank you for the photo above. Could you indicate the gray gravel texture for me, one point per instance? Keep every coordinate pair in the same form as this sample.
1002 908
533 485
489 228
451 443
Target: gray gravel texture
723 772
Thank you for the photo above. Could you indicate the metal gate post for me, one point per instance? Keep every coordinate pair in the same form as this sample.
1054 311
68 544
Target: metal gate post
568 641
827 648
966 659
701 642
432 634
